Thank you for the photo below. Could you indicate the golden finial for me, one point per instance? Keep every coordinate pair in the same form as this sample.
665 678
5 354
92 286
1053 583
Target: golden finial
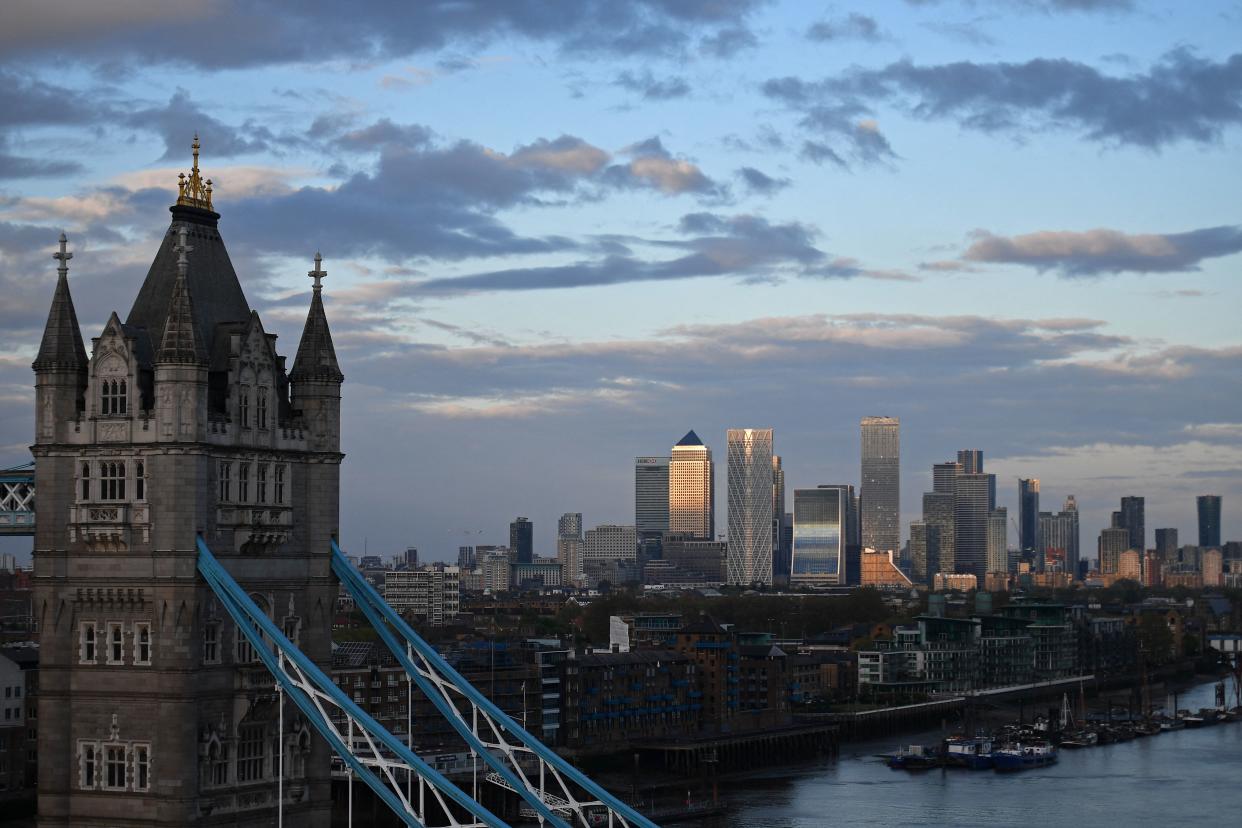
193 191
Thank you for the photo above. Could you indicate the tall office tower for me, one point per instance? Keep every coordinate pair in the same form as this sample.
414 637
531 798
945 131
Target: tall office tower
466 560
750 506
944 476
522 540
971 460
691 489
879 495
1166 545
569 543
610 542
411 557
183 424
1113 541
974 498
1117 521
650 503
1209 520
939 511
819 532
780 562
1073 552
1132 520
998 540
924 552
1058 533
1028 515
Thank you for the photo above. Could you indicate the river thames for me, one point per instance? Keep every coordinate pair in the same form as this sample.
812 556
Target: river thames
1187 777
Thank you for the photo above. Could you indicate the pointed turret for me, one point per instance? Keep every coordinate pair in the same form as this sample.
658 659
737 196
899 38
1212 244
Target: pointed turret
61 349
181 344
316 358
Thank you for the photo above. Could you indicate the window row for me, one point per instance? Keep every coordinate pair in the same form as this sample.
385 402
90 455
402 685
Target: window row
108 641
113 395
260 407
243 649
267 485
111 480
114 766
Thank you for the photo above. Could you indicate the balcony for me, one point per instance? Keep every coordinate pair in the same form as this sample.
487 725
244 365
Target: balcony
256 528
110 527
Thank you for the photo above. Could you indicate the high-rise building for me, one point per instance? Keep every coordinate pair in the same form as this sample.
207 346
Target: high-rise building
1132 519
691 489
974 498
569 543
1073 552
939 512
1058 533
1209 520
780 561
1166 545
750 506
411 557
651 497
610 542
944 476
879 495
522 540
1211 565
1113 541
924 551
998 540
1028 515
466 560
819 536
182 425
971 460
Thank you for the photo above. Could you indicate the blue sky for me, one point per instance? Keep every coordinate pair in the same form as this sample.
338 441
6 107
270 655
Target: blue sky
561 234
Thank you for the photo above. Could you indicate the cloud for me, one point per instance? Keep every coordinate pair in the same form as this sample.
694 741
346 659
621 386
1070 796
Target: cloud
655 167
1181 97
1053 6
1100 251
854 26
652 88
760 183
180 115
131 32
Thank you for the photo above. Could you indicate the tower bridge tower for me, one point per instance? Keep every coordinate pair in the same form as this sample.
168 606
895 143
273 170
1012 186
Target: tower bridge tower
153 709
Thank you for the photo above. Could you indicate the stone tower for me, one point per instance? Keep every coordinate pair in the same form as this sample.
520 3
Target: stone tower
153 709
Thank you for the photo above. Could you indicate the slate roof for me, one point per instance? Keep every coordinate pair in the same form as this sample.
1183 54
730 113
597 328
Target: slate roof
316 358
62 338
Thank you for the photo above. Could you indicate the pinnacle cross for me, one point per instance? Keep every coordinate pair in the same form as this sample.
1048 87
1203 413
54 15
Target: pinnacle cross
318 273
63 256
182 249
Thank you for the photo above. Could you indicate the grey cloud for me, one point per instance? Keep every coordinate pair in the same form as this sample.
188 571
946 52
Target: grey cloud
728 42
854 26
1051 6
180 115
267 32
653 88
1094 252
1182 97
761 183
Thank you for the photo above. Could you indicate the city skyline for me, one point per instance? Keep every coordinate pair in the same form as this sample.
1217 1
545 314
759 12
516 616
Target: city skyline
553 244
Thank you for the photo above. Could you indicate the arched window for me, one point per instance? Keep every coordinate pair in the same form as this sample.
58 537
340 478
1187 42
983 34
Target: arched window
243 482
260 483
112 481
243 406
260 405
279 486
140 480
86 481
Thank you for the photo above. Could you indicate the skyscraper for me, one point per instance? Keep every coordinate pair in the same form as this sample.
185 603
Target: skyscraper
691 489
569 545
944 476
879 495
750 506
1113 541
998 540
819 535
974 498
1133 520
780 557
650 500
1073 551
1166 545
939 513
1028 515
1058 533
522 540
1209 521
924 546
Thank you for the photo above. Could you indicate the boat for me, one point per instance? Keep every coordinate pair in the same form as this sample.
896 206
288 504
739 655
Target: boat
967 752
1080 739
915 757
1175 723
1024 756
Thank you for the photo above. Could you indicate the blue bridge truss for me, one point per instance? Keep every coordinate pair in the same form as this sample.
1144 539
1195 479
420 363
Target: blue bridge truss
553 791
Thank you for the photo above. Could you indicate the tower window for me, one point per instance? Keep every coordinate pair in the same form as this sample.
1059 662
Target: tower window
140 480
114 767
142 643
243 482
112 481
260 407
211 643
219 759
112 397
116 646
250 753
260 483
142 767
243 406
226 481
86 481
279 486
88 772
88 637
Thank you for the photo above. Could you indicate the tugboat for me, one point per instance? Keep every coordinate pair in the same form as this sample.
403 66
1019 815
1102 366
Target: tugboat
915 757
966 752
1025 756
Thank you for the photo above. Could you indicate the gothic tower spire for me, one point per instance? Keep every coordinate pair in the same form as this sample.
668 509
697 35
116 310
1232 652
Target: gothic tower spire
181 343
316 358
61 348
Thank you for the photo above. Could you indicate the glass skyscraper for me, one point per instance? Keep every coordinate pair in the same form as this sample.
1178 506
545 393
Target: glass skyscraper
1209 521
1028 515
749 559
650 497
522 540
819 535
881 484
691 489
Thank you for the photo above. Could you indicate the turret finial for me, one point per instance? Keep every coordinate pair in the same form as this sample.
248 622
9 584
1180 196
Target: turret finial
63 256
182 249
192 190
318 273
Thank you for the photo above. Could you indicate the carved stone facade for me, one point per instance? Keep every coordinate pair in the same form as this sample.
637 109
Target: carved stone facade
153 709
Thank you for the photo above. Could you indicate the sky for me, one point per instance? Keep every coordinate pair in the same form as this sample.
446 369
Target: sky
561 234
